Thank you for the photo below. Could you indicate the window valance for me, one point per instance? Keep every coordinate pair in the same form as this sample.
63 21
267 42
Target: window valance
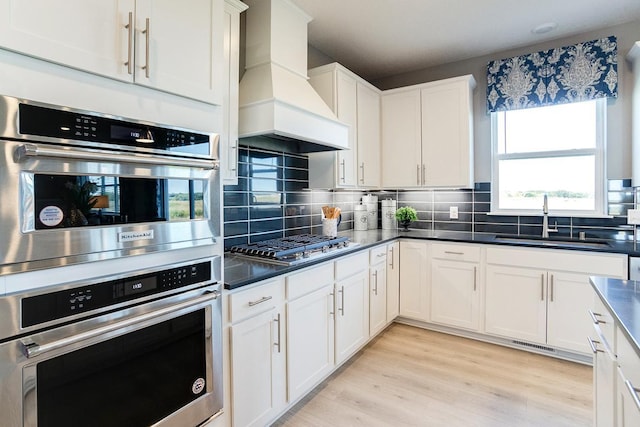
579 72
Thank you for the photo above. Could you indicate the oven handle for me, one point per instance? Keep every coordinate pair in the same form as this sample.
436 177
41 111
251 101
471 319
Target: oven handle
32 349
35 150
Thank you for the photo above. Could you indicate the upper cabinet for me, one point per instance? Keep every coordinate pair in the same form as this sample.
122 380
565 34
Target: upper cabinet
356 103
229 136
140 41
427 135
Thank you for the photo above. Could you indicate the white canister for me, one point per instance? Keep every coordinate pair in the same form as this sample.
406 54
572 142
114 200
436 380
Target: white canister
389 214
360 217
371 202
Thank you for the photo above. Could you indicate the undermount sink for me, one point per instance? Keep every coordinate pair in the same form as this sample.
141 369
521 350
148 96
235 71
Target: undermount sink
552 242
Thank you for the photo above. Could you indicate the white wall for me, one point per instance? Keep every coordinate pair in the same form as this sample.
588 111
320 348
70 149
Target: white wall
619 111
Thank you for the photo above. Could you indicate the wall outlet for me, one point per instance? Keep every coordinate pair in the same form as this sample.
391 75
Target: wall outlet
633 216
453 212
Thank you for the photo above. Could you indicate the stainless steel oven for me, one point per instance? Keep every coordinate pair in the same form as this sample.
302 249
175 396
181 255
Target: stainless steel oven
82 186
135 349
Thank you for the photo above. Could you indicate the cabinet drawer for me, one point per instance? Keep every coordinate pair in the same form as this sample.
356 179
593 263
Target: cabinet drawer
469 253
348 266
628 359
309 280
258 299
378 254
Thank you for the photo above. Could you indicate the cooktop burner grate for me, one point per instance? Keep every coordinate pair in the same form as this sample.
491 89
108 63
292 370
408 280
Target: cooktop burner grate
293 247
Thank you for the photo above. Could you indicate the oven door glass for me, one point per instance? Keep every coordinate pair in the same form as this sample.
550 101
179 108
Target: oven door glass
62 201
136 379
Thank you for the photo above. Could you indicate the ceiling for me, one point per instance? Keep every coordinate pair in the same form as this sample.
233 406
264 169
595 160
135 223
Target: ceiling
380 38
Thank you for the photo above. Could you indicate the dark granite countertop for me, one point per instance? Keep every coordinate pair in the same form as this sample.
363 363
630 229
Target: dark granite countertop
622 298
240 271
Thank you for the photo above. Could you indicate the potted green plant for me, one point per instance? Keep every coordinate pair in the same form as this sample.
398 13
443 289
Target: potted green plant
405 215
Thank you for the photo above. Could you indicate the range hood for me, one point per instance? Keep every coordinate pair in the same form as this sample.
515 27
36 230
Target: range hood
278 108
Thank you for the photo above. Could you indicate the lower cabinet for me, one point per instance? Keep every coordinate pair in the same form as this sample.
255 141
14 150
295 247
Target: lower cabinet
627 382
604 381
310 328
258 354
542 296
377 290
393 281
352 305
414 297
455 285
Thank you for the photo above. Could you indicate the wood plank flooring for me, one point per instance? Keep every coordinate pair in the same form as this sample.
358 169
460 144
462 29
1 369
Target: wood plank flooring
413 377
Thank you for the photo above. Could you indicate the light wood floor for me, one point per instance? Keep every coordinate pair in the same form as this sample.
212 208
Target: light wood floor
412 377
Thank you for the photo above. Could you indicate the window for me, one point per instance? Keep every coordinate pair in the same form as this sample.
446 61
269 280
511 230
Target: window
555 150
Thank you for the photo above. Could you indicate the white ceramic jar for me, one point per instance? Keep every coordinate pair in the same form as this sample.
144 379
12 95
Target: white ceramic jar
360 218
371 202
388 212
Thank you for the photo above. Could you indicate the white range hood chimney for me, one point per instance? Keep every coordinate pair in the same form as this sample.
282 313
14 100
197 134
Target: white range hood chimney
276 100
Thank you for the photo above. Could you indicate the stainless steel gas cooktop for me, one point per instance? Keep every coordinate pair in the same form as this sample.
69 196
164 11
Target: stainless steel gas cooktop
292 250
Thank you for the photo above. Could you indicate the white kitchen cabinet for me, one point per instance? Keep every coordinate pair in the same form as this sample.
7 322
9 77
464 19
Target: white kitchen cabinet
393 281
455 285
310 328
352 305
140 41
432 125
258 353
229 135
414 280
604 366
627 382
377 289
542 296
356 103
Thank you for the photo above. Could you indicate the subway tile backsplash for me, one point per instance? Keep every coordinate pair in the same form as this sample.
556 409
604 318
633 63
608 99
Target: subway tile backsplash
272 200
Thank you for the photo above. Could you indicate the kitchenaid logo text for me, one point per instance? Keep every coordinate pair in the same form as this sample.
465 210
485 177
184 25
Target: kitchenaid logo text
131 236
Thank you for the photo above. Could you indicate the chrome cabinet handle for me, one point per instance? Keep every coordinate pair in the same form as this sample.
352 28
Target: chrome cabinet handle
277 344
542 287
391 250
341 309
551 293
381 255
35 150
424 171
260 301
453 253
333 303
634 393
233 149
344 171
129 27
593 344
418 175
146 32
362 168
32 349
595 319
475 278
375 287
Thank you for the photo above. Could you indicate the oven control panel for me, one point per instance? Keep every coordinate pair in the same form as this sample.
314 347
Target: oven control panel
57 305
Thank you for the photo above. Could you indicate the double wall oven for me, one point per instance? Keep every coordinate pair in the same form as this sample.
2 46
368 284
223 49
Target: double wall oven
110 270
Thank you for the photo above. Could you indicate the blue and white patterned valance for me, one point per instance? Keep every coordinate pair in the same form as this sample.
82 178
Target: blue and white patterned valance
574 73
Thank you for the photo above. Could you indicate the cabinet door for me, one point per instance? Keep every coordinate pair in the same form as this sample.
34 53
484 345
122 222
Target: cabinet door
86 34
414 281
393 281
604 390
401 139
570 297
516 303
229 136
258 369
455 296
181 49
628 409
310 331
368 136
447 139
377 298
347 112
352 314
